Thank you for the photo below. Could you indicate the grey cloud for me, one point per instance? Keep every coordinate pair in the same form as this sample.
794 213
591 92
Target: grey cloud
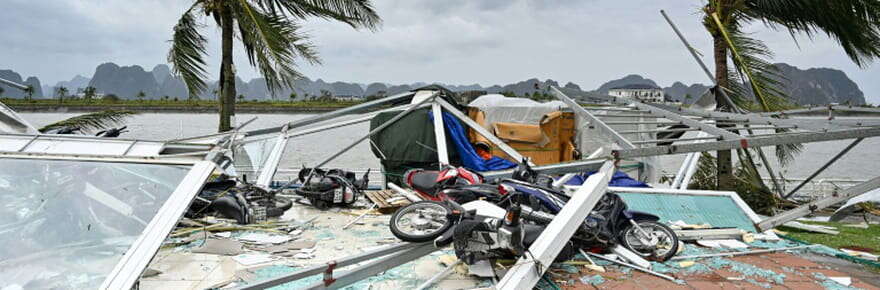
454 41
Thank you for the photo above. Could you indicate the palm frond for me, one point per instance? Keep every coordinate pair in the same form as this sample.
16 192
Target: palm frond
854 24
92 121
750 59
188 49
272 43
356 13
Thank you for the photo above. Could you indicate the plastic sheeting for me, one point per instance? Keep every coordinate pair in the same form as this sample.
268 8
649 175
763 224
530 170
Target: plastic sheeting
468 156
620 179
498 108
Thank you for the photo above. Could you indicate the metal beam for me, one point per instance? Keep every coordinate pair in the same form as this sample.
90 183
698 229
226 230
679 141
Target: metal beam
13 84
814 206
440 134
375 267
761 141
579 110
529 268
138 256
270 166
334 114
726 135
825 166
315 270
553 169
480 130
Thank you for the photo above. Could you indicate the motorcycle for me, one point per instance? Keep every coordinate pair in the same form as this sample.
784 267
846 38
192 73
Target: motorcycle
326 188
608 224
475 236
430 183
245 203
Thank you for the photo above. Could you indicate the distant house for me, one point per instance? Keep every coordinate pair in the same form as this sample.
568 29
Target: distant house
644 93
347 98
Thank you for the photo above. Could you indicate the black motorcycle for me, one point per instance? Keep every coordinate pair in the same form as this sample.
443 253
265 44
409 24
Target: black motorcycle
245 203
324 189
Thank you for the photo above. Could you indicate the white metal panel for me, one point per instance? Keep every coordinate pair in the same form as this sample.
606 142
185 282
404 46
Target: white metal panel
12 143
439 134
133 263
56 146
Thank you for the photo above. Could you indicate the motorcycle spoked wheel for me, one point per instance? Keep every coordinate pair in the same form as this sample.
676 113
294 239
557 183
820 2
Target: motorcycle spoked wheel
663 243
421 221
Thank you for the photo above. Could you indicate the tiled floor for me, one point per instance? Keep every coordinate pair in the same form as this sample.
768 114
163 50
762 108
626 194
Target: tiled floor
800 273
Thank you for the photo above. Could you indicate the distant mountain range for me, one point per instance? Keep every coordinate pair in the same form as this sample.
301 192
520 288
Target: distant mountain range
812 86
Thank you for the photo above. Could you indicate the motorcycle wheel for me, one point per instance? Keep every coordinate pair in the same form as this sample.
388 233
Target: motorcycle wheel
281 205
421 221
662 242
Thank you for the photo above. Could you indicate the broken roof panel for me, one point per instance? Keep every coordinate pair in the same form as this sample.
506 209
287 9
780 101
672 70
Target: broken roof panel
719 209
69 224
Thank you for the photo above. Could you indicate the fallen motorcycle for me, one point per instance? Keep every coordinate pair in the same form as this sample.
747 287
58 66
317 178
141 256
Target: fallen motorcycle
609 223
324 189
475 235
246 203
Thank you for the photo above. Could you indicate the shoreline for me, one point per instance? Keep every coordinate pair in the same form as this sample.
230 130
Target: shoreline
41 108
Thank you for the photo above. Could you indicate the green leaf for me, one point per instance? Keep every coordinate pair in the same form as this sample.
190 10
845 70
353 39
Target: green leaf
92 121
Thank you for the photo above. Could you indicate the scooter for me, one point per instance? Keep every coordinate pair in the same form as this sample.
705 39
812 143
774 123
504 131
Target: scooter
609 223
474 236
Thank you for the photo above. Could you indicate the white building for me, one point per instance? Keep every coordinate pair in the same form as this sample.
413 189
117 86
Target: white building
644 93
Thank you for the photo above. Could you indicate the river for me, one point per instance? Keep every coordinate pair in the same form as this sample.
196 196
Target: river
863 162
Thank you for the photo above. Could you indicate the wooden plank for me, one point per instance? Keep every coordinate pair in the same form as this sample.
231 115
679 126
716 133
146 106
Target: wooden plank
381 197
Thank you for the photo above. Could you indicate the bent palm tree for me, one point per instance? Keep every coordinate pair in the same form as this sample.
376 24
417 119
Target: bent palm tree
270 37
854 24
91 121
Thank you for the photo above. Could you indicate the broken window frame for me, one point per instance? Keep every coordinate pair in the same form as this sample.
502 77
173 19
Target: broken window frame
135 260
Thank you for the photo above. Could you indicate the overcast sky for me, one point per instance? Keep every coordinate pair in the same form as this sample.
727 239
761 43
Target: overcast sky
587 42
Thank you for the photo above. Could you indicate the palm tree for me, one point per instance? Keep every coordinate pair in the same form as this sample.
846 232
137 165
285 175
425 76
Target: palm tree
854 24
270 36
140 96
89 93
61 93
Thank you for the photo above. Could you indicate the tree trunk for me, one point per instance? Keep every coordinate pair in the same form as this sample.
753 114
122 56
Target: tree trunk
226 99
726 180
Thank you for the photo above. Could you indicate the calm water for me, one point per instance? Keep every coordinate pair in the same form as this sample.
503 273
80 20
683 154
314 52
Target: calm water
863 162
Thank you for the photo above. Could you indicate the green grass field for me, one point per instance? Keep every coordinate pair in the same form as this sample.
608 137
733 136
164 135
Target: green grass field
848 237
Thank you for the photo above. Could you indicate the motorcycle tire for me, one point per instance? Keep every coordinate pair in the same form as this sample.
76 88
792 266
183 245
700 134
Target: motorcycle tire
401 219
281 206
668 240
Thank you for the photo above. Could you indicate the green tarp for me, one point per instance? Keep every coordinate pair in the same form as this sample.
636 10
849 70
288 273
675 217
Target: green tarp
408 143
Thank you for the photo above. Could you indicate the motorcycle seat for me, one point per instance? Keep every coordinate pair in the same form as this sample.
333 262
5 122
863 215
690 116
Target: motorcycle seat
424 181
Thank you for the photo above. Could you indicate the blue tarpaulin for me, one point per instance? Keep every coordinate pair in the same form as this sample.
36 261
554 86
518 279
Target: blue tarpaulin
466 152
619 179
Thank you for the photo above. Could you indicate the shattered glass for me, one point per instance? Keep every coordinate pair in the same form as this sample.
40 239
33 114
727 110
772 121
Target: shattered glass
250 157
66 224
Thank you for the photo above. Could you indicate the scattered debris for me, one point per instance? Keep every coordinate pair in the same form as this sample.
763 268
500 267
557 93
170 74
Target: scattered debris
219 247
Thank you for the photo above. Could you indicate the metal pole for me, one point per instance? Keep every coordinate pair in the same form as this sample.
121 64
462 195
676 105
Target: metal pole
439 276
579 110
315 270
13 84
689 47
827 164
440 134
